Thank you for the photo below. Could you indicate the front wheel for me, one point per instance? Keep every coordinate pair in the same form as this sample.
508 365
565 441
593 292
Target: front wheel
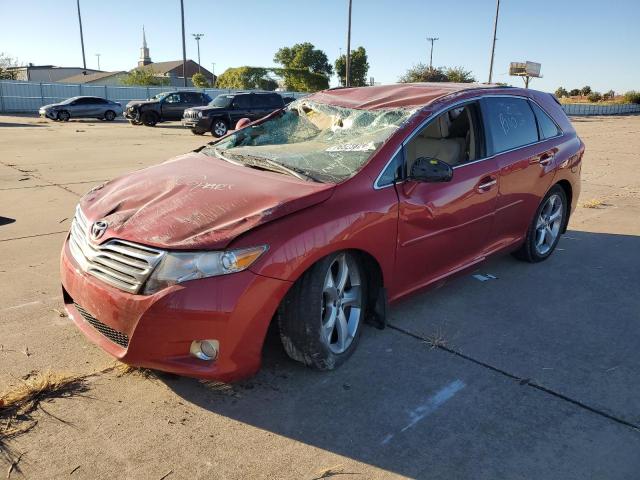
321 317
109 115
149 119
63 116
219 128
545 229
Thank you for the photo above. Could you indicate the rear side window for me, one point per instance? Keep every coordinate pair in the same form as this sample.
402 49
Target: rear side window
548 128
511 123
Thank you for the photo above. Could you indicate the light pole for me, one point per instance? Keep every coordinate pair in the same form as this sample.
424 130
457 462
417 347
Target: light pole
84 62
184 46
98 55
493 47
431 39
198 36
347 69
213 74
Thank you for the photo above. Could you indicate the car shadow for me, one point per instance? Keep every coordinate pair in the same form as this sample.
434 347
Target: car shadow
6 221
15 124
350 411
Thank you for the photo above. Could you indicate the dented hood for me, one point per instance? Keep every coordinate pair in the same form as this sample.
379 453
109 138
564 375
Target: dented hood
196 202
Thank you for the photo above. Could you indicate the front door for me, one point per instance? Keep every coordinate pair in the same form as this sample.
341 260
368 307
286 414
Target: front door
173 106
445 227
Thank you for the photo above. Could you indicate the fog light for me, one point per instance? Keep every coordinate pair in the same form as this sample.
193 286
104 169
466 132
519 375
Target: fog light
205 349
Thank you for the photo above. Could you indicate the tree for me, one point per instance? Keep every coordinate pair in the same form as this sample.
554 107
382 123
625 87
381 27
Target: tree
632 96
200 81
574 93
594 97
423 73
7 61
144 77
608 95
561 92
306 68
459 75
584 91
359 68
247 78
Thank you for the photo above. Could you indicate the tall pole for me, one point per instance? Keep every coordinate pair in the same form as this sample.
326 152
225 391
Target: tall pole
84 61
347 81
213 74
198 36
184 46
98 55
493 47
431 39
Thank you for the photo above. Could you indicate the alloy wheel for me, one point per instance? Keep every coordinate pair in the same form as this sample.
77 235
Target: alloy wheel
549 224
219 128
341 303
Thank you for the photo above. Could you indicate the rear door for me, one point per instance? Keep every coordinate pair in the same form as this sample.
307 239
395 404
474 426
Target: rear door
525 160
445 227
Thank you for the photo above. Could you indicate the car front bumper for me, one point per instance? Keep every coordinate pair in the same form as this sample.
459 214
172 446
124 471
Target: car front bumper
156 331
200 124
131 114
48 113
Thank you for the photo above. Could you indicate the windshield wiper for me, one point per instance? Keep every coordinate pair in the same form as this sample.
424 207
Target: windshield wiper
266 164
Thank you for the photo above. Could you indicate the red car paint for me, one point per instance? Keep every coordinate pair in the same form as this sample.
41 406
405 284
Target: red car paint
416 233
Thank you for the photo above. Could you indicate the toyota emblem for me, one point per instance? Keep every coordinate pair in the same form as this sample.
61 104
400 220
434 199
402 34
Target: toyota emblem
98 229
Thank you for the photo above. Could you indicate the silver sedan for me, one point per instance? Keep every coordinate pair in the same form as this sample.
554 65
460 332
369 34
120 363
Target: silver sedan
82 107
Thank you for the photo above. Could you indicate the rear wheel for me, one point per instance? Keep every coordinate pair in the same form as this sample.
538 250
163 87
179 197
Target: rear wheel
63 116
546 227
149 119
321 317
219 128
109 115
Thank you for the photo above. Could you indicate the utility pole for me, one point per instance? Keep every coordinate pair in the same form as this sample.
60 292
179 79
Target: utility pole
431 39
213 74
493 47
198 36
98 55
84 62
184 46
347 80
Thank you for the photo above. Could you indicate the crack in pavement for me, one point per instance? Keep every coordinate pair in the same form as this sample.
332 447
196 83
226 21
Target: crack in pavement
523 381
33 236
49 184
39 177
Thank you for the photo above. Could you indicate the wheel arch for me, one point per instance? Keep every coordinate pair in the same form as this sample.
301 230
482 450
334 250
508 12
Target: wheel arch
568 191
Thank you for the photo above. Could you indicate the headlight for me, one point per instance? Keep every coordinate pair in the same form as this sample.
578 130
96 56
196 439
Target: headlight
178 267
199 114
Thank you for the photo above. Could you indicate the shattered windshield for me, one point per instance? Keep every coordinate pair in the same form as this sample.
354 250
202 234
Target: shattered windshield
321 142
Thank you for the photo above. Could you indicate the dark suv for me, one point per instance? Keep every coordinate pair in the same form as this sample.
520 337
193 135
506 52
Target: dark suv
223 112
164 106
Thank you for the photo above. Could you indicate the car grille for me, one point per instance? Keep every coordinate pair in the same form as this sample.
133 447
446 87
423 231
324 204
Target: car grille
122 264
115 336
190 114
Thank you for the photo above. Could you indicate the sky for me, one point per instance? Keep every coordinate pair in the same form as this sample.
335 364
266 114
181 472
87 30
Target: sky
578 42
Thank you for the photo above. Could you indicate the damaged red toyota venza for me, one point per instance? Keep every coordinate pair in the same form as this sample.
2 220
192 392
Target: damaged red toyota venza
316 217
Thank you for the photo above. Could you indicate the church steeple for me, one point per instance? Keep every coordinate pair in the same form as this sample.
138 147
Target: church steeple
145 59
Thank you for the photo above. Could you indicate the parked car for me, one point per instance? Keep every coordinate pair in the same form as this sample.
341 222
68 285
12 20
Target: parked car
225 110
163 107
82 107
315 218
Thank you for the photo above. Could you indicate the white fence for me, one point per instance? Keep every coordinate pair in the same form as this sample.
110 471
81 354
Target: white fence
18 96
594 109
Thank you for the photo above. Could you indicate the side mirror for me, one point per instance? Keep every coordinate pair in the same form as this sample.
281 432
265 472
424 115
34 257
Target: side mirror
430 170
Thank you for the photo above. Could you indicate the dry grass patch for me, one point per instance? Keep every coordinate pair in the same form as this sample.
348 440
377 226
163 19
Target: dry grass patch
595 203
18 404
437 339
122 369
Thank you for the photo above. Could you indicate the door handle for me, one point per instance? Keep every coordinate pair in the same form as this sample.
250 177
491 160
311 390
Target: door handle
486 185
545 159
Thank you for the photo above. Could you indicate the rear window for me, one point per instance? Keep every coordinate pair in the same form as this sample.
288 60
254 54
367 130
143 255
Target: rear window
511 123
548 128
